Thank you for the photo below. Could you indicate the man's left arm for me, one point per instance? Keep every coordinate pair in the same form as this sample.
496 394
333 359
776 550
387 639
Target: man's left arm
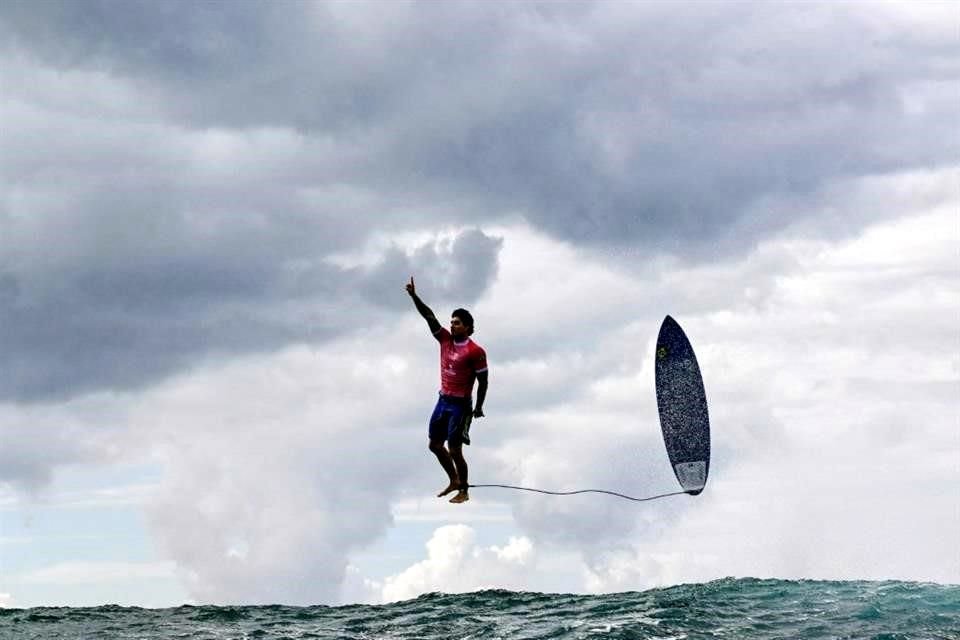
481 393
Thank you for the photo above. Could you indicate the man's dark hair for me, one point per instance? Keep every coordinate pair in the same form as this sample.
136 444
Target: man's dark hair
465 318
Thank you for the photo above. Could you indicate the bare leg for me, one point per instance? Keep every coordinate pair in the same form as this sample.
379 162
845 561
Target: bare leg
447 463
456 453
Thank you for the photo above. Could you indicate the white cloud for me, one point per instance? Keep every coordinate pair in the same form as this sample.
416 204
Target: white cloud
789 374
278 468
835 385
456 564
830 512
433 510
827 390
7 601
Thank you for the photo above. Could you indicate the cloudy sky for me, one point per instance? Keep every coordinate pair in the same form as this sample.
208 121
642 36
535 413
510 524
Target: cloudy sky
214 388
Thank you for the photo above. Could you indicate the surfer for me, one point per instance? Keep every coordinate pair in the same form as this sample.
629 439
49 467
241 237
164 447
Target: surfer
461 362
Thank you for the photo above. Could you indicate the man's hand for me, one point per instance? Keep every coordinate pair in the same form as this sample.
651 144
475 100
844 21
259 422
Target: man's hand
423 309
478 412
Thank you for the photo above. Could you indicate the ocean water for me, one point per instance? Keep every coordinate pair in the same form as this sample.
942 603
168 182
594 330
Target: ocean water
729 608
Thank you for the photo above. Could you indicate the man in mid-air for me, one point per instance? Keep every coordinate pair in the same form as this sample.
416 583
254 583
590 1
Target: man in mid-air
461 362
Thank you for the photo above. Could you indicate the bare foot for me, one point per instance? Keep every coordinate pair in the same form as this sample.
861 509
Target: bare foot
453 486
462 496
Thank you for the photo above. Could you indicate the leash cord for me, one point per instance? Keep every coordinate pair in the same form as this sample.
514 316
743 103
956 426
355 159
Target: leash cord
570 493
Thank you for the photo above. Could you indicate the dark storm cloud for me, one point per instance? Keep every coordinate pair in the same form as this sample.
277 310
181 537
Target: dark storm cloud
191 213
125 327
454 271
605 123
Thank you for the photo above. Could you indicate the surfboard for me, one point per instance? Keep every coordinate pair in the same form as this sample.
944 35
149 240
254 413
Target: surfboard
682 403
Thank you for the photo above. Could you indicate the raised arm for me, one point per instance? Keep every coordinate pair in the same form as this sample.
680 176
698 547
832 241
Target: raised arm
424 310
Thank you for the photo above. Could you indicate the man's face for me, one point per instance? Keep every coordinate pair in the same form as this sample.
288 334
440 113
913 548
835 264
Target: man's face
457 328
